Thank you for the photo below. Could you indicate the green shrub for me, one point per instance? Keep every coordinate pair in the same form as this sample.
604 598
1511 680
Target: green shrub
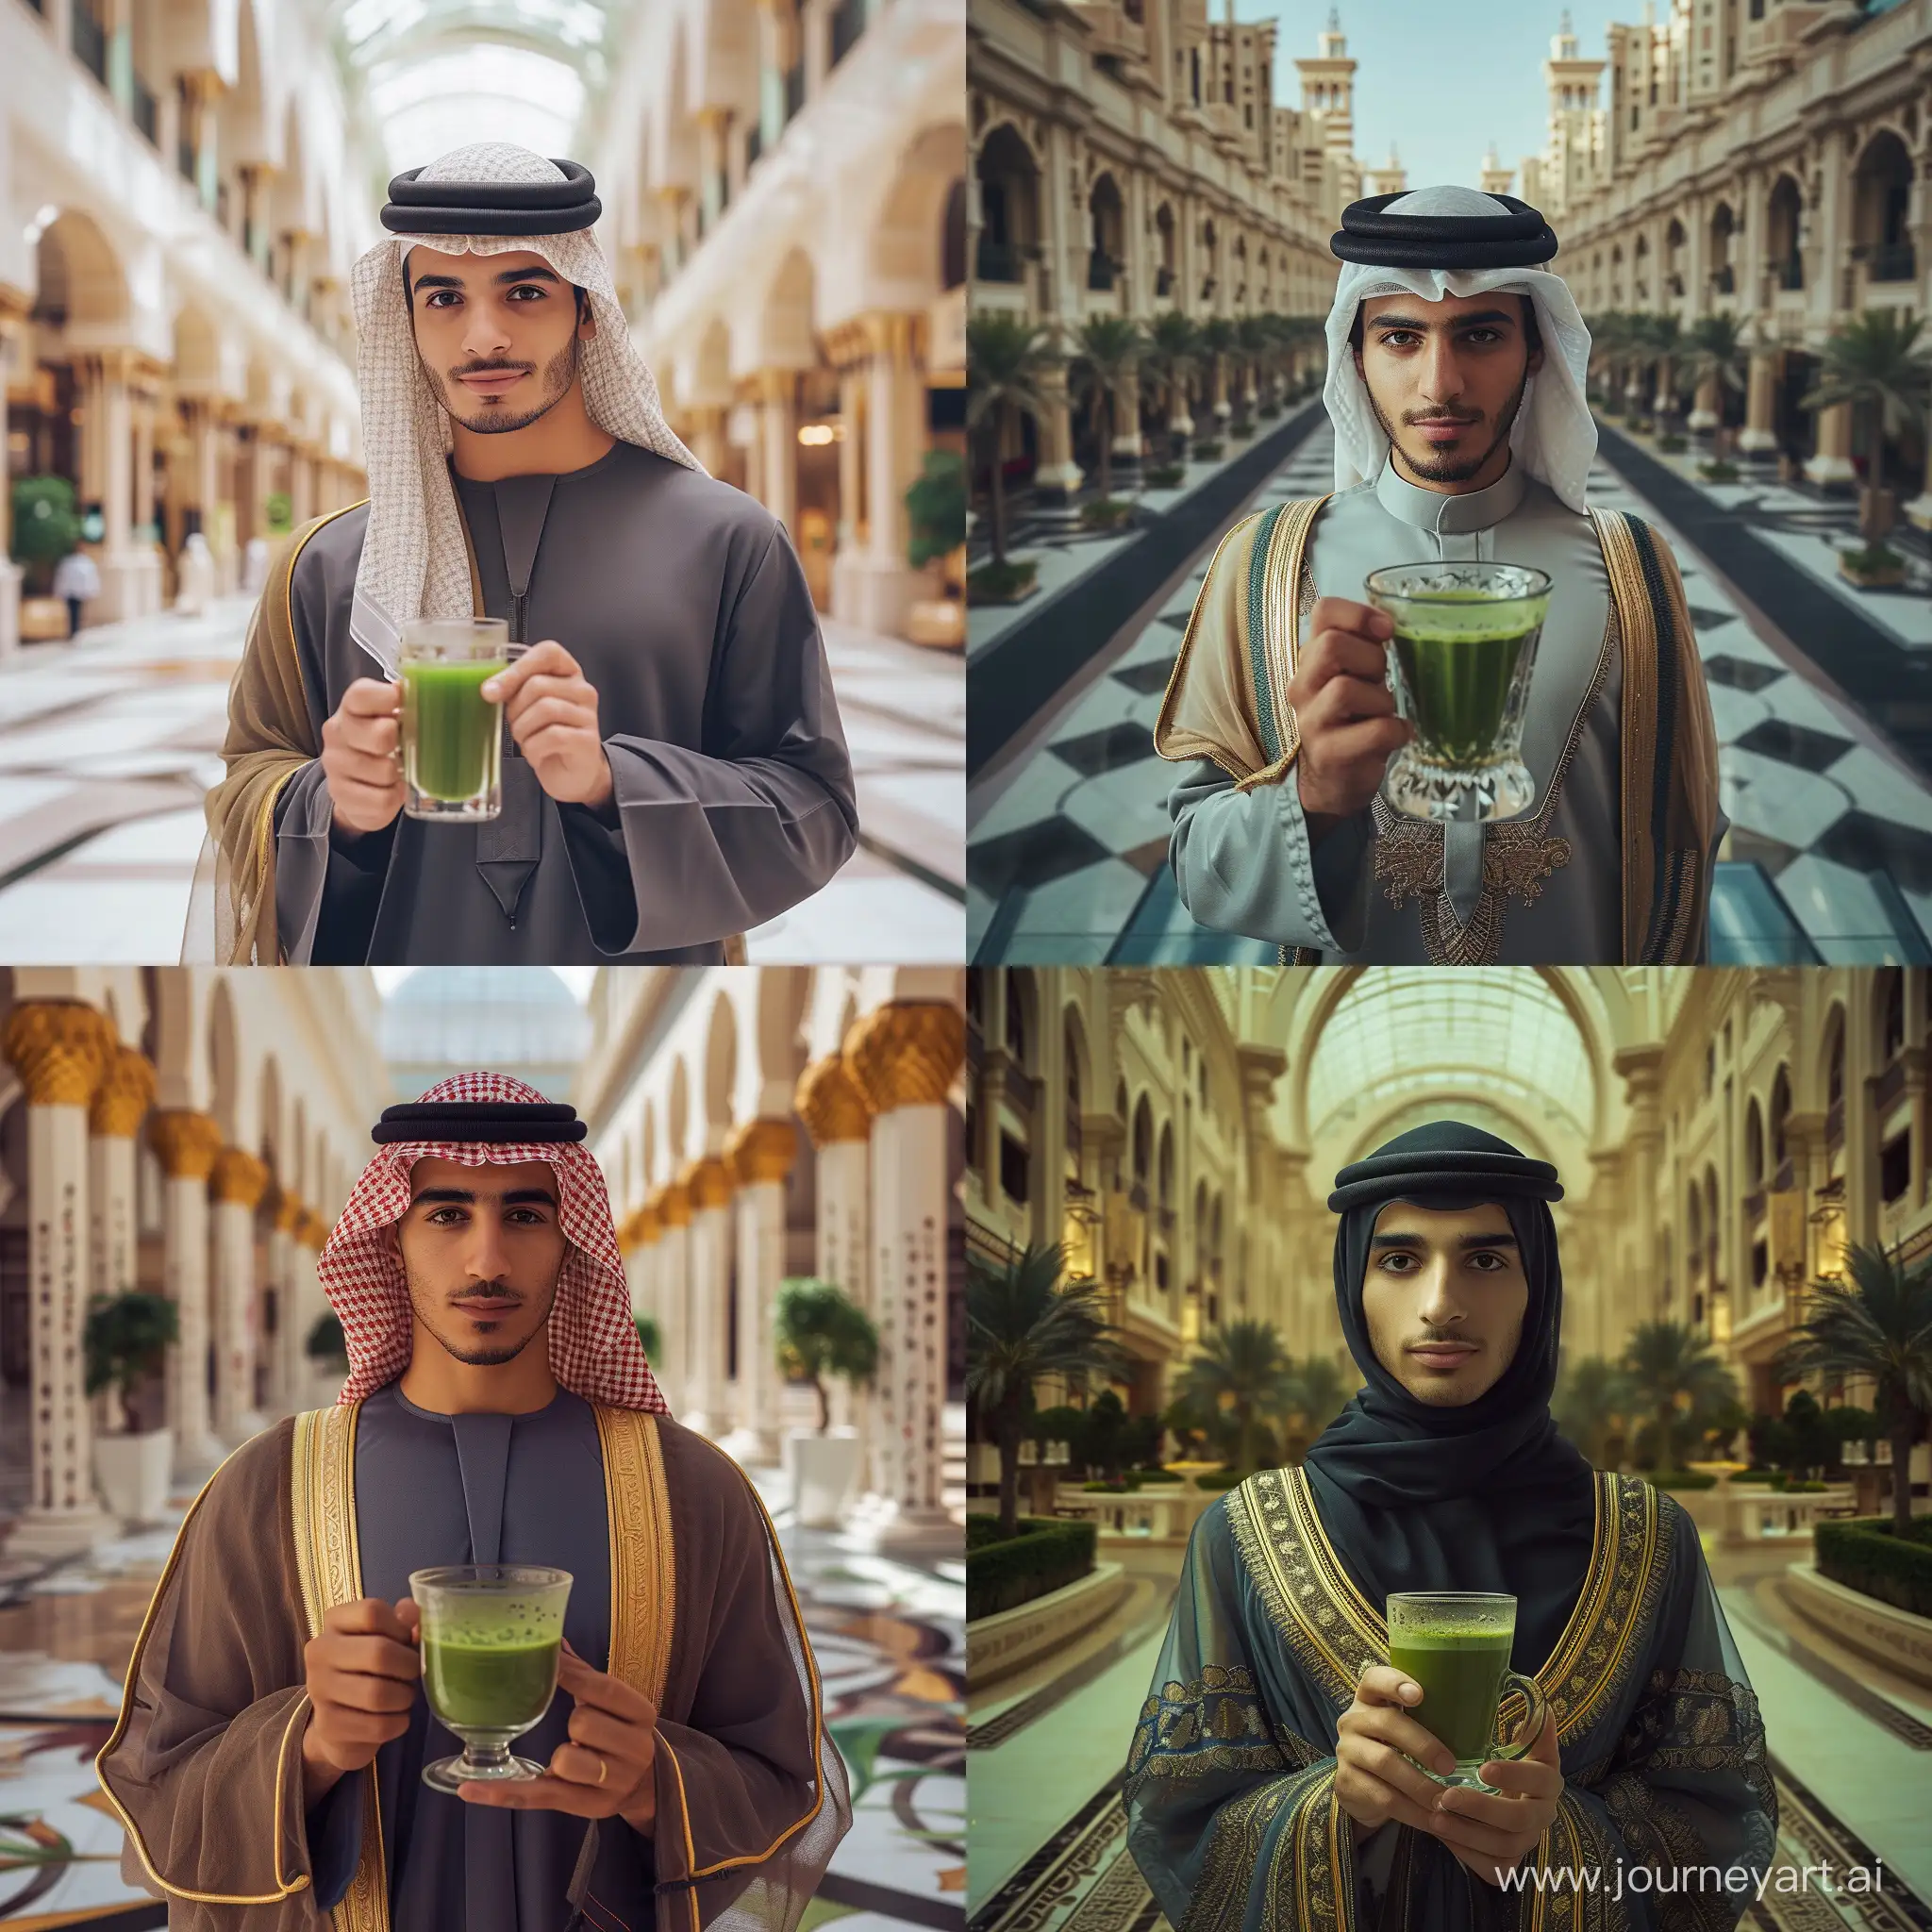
280 513
1682 1479
1872 558
1804 1488
1864 1555
1718 471
326 1346
1046 1556
1218 1479
1105 514
982 1530
46 526
1126 1486
125 1341
1241 425
936 508
1166 475
1208 449
1001 583
1673 444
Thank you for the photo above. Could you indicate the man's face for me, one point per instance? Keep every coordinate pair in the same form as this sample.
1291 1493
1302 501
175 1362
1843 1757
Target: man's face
509 318
482 1248
1445 379
1443 1299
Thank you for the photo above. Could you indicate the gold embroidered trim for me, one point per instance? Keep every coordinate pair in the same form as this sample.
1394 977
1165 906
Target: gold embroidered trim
643 1559
1172 1737
1179 746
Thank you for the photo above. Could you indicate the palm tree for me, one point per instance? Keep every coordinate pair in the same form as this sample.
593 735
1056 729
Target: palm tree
1022 1324
1241 1372
1674 1375
1317 1390
1217 339
1713 351
1875 363
1875 1323
1108 359
1007 358
1590 1404
1612 344
1174 355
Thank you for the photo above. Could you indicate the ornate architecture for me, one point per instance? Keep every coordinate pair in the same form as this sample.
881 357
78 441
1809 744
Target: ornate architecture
1769 160
179 204
1723 1134
1128 159
790 1122
790 227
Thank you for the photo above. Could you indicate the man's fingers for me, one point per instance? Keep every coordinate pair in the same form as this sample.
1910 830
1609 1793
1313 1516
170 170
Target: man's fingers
547 1794
1367 740
1360 1792
346 1725
371 697
1383 1684
344 766
1339 702
1459 1828
609 1735
1405 1734
604 1692
367 1616
548 659
1390 1767
1337 653
1344 613
572 691
552 713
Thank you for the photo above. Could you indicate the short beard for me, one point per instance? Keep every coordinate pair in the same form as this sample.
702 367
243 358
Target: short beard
490 1356
1450 473
558 374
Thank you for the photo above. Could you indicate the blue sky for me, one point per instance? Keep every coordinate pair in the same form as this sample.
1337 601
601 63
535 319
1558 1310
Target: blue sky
1440 79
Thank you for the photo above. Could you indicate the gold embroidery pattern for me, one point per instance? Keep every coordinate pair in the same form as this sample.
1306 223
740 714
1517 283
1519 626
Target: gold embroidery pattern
1520 856
1214 1724
643 1566
1701 1720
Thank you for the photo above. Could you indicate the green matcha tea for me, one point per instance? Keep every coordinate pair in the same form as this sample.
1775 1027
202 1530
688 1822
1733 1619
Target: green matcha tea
1460 1672
1457 666
478 1685
450 735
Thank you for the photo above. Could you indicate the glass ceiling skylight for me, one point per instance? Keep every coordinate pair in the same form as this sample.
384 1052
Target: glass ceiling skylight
1400 1033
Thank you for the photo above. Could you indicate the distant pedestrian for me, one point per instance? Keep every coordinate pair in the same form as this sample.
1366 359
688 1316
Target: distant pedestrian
76 578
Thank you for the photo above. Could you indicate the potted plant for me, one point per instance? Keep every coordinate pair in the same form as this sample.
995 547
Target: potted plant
936 513
126 1342
279 512
821 1331
649 1336
328 1352
46 526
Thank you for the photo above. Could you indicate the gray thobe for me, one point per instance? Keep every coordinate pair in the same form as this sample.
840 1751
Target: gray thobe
684 604
1242 860
432 1490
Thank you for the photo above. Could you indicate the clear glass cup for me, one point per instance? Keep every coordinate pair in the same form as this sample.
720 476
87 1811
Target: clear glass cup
493 1633
452 736
1456 1645
1460 664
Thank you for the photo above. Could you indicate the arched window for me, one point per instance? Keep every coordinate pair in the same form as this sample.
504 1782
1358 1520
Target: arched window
1780 1110
1016 1017
1753 1146
1890 1002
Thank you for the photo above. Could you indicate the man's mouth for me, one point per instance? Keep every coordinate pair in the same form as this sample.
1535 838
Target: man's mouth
489 1305
1442 429
1442 1355
493 382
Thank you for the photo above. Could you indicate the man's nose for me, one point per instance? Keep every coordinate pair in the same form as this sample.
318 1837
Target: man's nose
1440 374
485 1257
486 334
1438 1307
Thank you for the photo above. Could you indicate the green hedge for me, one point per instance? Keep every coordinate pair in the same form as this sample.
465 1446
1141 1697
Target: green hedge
1864 1555
1046 1556
1681 1479
1218 1479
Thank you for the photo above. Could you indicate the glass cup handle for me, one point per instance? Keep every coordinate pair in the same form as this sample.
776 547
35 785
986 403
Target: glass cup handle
1532 1723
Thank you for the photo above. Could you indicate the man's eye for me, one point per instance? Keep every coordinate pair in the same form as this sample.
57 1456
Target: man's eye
1489 335
1488 1260
526 289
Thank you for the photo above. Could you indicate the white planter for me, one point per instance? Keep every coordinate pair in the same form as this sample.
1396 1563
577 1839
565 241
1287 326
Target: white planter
133 1471
823 1470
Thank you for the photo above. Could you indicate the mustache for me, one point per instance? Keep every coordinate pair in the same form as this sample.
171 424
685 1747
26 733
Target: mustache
486 1291
494 369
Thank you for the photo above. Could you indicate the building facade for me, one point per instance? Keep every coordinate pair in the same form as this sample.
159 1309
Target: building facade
179 206
1129 159
757 1125
789 237
1769 160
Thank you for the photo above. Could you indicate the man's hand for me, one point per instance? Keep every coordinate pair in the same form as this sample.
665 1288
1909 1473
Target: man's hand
1492 1835
358 756
606 1770
360 1672
1344 712
1374 1780
552 707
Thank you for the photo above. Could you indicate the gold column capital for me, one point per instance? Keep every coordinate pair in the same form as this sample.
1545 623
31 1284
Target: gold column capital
707 1182
289 1213
60 1048
639 1229
185 1142
906 1053
238 1177
761 1150
673 1204
831 1102
312 1230
125 1093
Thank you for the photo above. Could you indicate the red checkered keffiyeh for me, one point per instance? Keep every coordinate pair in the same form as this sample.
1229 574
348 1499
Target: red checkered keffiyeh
595 1350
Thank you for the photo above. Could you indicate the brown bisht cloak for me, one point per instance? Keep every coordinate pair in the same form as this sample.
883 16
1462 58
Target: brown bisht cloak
205 1764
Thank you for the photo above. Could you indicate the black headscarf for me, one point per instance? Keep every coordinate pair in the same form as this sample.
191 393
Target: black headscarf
1486 1496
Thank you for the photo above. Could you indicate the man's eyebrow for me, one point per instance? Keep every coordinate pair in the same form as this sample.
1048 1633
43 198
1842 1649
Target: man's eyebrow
1405 1238
1484 316
501 279
517 1197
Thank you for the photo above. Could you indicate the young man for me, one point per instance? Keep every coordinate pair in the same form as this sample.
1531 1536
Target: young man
675 770
1456 386
269 1755
1274 1778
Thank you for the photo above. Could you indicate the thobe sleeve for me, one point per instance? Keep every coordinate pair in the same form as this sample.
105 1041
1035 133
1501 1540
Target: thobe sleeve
1230 1812
204 1765
1688 1793
751 1793
1242 863
714 841
328 884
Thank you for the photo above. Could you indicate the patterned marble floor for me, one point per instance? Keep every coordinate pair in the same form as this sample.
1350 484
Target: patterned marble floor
1829 858
108 746
889 1639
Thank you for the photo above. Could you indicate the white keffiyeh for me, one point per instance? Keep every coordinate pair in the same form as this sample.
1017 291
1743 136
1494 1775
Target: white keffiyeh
1553 436
413 560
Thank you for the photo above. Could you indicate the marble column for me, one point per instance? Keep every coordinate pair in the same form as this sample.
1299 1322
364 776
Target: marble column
11 338
301 488
1760 433
904 1056
186 1144
673 1272
833 1109
1126 428
642 1232
143 462
1704 409
760 1154
287 1368
778 445
236 1183
1918 510
709 1184
60 1049
1058 477
311 1305
120 1101
1833 461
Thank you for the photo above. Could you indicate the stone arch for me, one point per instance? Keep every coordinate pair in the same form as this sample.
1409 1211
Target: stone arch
678 1113
1888 1013
223 1063
82 282
1881 206
788 333
1163 1167
269 1141
1779 1113
908 244
1753 1145
1831 1054
1143 1144
721 1067
1784 211
1106 216
1009 176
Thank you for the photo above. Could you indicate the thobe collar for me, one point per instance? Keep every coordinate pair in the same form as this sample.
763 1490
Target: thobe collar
1449 515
